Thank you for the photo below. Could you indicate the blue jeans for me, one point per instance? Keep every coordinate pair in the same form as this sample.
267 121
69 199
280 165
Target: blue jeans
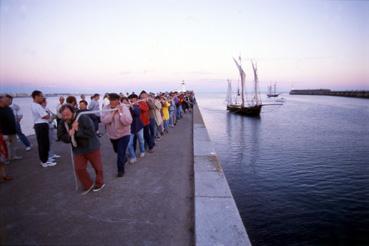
21 136
179 112
147 136
152 130
120 147
166 124
141 141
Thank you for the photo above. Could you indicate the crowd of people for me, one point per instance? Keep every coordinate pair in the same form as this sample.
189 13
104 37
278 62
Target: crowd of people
129 120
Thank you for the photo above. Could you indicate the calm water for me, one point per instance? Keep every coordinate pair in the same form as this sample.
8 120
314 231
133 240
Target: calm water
300 173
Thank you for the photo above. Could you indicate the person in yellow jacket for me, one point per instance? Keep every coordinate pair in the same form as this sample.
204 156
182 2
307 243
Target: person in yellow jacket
165 111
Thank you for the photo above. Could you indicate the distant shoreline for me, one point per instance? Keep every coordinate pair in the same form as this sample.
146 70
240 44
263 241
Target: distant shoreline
327 92
22 95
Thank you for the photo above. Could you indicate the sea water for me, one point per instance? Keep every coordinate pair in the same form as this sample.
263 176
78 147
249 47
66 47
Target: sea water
300 172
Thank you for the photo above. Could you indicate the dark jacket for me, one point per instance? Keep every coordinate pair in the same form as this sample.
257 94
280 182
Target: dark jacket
7 121
136 124
86 138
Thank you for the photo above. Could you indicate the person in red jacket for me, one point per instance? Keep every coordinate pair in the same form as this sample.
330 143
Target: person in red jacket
145 118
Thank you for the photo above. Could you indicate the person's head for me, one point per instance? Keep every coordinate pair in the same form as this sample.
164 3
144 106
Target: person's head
44 102
124 100
83 105
143 95
133 98
96 96
2 101
8 99
67 111
114 99
61 100
72 101
83 97
37 96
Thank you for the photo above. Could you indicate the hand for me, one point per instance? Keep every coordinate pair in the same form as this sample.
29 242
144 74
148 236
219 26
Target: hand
71 132
75 126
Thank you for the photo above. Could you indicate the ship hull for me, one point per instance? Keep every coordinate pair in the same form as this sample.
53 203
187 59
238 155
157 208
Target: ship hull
272 95
252 111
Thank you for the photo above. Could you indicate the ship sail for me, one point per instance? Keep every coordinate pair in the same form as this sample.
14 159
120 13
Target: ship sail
229 93
243 77
256 99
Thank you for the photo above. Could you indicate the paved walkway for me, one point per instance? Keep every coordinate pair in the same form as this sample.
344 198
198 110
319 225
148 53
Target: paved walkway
151 205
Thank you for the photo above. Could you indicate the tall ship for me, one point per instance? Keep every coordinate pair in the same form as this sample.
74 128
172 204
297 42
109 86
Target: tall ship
272 91
247 108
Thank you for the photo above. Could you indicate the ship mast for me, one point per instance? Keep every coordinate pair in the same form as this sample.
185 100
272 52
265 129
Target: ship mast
256 81
243 76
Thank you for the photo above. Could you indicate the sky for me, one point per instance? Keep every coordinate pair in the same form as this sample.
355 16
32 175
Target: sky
89 46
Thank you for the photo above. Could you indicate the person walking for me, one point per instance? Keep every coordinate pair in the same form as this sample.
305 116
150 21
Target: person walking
41 125
136 129
8 127
52 133
145 118
165 113
18 117
118 128
94 106
58 114
86 148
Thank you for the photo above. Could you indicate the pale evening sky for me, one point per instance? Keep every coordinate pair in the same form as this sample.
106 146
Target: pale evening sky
89 46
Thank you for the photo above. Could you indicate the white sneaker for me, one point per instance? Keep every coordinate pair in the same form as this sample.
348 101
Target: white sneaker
55 156
142 154
88 190
28 148
44 164
133 160
51 163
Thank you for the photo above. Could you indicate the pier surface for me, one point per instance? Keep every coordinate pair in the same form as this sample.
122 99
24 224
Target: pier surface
152 204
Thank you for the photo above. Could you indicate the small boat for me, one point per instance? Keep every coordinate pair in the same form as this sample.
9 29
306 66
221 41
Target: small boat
252 108
272 92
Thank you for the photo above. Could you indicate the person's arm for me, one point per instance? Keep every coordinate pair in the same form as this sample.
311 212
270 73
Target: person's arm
62 133
42 112
85 127
151 104
144 106
91 105
125 116
136 112
107 117
158 105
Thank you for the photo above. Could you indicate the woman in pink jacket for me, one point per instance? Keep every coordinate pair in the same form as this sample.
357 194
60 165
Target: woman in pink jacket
118 128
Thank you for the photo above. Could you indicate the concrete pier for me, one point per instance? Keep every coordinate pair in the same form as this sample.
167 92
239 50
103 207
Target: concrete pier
151 205
217 219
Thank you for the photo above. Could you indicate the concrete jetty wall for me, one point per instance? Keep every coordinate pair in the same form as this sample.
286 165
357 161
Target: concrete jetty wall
217 219
327 92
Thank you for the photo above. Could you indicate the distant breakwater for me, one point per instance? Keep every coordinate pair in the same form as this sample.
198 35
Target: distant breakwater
327 92
48 94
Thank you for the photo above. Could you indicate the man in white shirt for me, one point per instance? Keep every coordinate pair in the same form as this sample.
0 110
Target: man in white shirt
41 124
